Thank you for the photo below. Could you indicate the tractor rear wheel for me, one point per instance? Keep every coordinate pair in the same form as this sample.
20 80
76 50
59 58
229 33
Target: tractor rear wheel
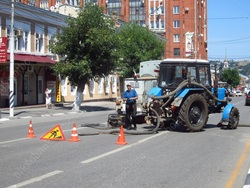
234 117
194 112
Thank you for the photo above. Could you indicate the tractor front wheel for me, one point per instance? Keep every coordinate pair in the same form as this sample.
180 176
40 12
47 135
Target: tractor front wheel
234 117
194 112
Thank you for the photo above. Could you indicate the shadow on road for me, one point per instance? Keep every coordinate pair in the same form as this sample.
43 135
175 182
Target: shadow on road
87 108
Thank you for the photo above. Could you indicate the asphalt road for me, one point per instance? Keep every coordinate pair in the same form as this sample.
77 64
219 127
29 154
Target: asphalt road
214 157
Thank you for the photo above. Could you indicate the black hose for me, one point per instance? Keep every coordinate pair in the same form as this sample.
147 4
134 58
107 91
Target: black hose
132 132
172 93
182 85
155 130
209 92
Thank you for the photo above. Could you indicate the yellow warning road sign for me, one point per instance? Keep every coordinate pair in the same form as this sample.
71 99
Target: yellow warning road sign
55 133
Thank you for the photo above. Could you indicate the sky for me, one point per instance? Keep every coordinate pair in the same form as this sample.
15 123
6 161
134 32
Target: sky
228 29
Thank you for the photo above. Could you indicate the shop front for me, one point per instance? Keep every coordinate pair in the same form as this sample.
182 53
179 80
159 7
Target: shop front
32 74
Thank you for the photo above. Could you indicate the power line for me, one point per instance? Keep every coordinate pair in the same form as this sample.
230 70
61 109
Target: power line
229 18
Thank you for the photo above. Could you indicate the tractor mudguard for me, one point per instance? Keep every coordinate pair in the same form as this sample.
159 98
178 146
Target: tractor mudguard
181 94
155 91
226 112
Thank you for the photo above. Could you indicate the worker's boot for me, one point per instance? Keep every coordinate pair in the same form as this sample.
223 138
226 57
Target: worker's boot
129 127
134 127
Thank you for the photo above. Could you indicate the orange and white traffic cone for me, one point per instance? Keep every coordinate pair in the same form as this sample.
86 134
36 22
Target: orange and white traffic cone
74 135
121 138
31 132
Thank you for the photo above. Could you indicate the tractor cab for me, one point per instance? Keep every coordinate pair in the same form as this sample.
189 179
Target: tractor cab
174 71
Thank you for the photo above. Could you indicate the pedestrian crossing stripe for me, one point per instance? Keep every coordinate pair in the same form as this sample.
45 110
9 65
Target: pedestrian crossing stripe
55 133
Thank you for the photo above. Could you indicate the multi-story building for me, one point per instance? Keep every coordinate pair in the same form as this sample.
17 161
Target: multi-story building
182 23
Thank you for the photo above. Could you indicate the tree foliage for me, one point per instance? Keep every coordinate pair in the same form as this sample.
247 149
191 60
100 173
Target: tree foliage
231 76
137 44
245 70
88 44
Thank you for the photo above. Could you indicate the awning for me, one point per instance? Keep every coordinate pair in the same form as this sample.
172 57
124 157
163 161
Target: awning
31 58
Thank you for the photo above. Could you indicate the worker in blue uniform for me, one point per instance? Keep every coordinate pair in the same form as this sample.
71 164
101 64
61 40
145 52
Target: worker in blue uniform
130 96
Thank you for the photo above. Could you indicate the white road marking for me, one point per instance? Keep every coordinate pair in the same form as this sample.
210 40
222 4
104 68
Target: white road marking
26 117
20 139
4 119
9 141
33 180
122 148
72 112
45 115
58 114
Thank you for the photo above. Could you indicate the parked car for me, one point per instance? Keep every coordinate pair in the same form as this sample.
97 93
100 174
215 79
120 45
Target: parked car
247 101
231 93
238 94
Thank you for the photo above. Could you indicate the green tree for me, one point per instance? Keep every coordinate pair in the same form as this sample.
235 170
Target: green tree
137 44
88 43
231 76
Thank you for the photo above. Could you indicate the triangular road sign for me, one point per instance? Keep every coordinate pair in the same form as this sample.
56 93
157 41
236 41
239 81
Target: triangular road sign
55 133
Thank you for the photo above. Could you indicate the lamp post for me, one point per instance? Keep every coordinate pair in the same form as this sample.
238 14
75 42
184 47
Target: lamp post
11 81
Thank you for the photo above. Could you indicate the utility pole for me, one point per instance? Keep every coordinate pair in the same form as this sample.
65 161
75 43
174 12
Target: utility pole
11 81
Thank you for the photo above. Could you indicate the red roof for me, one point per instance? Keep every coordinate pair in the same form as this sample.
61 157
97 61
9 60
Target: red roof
31 58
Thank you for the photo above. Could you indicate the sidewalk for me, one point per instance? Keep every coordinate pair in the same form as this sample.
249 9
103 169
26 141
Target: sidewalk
64 108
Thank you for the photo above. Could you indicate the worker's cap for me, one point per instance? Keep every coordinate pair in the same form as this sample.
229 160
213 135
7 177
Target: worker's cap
128 84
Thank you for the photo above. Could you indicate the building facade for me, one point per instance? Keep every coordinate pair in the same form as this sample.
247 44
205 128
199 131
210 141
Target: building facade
182 23
33 30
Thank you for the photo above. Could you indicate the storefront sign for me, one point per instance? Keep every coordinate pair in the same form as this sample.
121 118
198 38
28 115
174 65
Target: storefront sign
189 44
3 49
58 93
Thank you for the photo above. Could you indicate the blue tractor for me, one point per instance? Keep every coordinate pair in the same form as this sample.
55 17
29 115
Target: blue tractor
186 95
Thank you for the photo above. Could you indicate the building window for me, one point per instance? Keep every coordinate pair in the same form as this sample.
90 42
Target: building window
73 90
176 23
51 39
176 10
32 2
18 40
157 15
74 2
26 40
39 42
137 12
26 85
157 24
176 51
176 37
44 4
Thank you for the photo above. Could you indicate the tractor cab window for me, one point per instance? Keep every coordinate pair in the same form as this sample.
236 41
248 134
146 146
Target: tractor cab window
204 77
191 73
167 74
172 75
